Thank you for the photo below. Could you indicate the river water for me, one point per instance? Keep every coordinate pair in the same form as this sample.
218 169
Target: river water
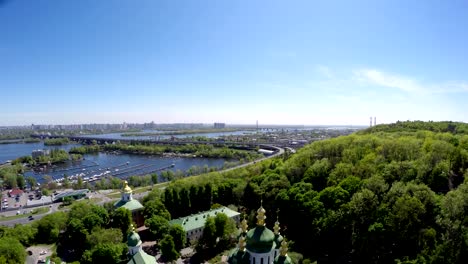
16 150
123 165
118 136
97 163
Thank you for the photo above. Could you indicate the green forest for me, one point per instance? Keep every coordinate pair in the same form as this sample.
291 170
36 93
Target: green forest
199 150
56 141
378 196
388 194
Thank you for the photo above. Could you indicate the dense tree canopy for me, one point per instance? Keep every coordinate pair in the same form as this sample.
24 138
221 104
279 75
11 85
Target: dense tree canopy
168 249
387 194
11 251
390 194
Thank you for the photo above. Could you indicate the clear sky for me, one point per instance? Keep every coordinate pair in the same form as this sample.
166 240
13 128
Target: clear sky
279 62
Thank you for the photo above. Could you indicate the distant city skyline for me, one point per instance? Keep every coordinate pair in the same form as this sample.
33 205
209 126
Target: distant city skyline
279 62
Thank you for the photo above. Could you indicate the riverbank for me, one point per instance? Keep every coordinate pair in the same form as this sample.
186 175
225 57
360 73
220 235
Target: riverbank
22 140
189 150
183 132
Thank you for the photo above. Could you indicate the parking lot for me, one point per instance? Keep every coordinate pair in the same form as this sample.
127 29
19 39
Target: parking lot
17 202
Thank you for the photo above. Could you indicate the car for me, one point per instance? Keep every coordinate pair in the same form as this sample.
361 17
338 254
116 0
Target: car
43 252
41 261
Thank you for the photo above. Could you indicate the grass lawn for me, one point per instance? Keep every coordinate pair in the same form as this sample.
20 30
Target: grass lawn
138 190
88 201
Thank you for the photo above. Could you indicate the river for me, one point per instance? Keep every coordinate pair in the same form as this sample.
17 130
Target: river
118 136
16 150
98 163
123 165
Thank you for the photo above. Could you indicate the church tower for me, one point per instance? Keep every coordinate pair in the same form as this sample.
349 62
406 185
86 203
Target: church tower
259 245
135 250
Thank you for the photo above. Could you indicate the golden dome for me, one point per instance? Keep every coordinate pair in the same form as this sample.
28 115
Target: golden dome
244 226
261 216
284 248
242 243
126 188
276 228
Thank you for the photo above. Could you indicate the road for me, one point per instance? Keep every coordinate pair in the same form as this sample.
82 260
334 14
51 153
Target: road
280 152
25 220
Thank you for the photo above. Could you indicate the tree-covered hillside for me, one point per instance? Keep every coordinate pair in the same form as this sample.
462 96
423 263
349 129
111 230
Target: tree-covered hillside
411 126
382 197
372 197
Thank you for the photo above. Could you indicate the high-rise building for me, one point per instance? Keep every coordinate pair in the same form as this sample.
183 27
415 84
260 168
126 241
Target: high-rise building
219 125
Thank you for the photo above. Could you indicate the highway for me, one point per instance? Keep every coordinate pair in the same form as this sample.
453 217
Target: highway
26 220
279 152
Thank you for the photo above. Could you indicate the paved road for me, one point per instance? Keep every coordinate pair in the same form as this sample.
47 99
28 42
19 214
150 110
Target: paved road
36 253
26 220
280 152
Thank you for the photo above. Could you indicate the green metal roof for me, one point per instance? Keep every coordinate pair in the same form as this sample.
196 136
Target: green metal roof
142 257
260 240
239 257
196 221
131 205
278 240
133 239
76 193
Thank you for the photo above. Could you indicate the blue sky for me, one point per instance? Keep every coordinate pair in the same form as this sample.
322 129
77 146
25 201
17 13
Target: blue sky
279 62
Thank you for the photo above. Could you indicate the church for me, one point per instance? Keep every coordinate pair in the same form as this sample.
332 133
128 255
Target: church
127 201
135 251
260 245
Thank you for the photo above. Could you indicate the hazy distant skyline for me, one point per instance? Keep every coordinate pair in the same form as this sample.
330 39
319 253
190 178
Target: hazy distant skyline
279 62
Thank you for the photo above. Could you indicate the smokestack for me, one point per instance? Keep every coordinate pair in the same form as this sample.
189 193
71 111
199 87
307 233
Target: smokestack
370 125
375 120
